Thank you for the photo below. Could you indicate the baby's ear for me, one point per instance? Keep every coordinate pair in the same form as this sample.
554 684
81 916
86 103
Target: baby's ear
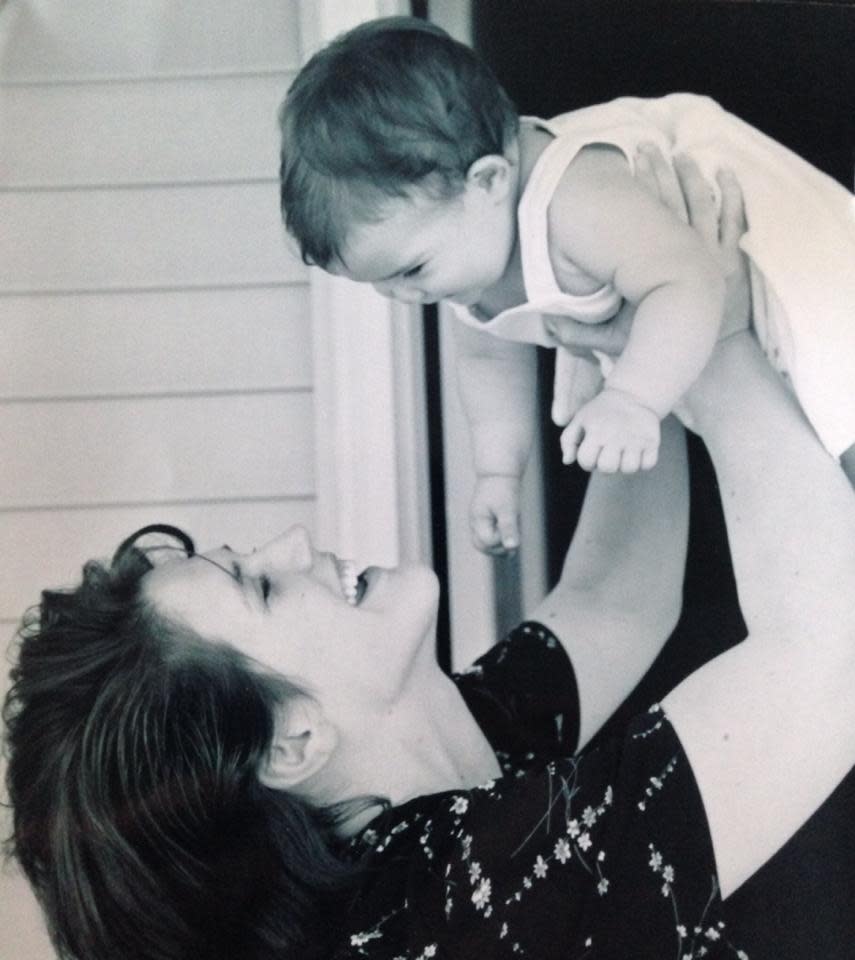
302 743
492 173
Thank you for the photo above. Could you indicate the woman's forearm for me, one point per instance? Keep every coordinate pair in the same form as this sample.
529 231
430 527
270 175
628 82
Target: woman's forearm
789 510
620 591
769 726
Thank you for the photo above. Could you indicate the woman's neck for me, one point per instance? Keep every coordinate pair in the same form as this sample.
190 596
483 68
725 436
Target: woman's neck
429 742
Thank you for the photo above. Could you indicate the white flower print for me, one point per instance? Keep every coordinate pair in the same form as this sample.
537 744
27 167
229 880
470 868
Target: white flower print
602 886
481 896
668 873
585 841
474 871
682 931
655 861
562 851
540 867
460 805
573 829
360 939
712 934
503 932
589 817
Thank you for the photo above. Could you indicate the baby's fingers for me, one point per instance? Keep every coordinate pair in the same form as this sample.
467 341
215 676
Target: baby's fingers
657 176
571 437
589 453
609 458
733 222
508 529
700 199
649 456
485 534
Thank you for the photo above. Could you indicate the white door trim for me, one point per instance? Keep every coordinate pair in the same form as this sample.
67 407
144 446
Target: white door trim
370 413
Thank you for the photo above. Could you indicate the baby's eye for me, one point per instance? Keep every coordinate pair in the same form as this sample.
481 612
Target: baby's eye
264 587
413 271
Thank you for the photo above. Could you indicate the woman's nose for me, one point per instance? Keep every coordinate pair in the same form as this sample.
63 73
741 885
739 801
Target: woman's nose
292 550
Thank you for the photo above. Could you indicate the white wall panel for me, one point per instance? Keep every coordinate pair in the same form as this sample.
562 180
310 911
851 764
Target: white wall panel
67 39
183 341
193 129
50 546
160 449
147 238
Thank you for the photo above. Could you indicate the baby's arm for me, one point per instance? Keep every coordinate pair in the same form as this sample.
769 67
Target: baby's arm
497 383
604 222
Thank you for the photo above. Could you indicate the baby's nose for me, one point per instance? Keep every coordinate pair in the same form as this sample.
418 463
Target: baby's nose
399 292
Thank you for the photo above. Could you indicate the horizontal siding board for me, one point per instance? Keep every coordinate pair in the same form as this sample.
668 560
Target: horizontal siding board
149 343
149 132
50 547
50 40
138 451
144 238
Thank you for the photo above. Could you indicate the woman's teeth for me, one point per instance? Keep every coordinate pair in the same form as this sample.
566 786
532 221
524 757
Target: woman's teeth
352 584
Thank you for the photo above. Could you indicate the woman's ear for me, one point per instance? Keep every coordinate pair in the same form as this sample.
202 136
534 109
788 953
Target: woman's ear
302 743
492 173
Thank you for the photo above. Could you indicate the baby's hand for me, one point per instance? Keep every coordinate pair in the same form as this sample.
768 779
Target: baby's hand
494 514
612 432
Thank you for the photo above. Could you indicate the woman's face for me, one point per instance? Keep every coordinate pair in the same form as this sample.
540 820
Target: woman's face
290 608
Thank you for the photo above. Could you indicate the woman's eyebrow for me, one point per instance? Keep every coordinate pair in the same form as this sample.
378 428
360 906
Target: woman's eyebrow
235 572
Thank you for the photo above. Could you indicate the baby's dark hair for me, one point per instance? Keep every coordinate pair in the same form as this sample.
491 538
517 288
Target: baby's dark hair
392 104
138 815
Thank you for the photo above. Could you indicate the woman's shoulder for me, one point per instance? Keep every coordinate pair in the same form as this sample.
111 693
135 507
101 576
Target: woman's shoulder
523 693
581 856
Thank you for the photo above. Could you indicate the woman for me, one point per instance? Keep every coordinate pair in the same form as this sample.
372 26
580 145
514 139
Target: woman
176 796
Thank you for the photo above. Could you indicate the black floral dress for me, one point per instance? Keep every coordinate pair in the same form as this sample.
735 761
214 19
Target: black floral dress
605 854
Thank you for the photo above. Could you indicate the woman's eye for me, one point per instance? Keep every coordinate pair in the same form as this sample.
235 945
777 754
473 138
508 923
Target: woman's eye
413 271
264 586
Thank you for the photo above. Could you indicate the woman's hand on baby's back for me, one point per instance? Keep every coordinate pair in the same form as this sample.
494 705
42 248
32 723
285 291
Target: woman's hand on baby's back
684 189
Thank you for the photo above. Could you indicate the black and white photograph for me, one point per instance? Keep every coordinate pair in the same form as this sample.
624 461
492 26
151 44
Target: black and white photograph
427 433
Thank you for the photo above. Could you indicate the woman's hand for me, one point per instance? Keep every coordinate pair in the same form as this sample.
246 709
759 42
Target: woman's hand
684 190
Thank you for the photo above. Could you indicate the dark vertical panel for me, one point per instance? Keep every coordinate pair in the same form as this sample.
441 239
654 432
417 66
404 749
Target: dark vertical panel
789 69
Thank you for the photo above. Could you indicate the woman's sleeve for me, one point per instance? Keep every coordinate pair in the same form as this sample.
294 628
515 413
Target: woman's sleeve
605 855
523 694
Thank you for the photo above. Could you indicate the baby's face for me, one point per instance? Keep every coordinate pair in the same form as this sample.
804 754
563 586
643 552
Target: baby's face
424 250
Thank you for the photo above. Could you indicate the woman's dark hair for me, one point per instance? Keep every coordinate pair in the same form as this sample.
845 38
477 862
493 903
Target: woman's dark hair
138 815
392 104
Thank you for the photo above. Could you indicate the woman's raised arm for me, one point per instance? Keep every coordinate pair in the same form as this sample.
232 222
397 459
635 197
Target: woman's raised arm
769 726
620 591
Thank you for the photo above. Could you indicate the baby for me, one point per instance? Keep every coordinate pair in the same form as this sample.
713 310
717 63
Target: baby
405 165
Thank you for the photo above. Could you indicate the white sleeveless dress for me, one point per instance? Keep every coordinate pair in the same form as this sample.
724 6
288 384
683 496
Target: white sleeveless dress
800 244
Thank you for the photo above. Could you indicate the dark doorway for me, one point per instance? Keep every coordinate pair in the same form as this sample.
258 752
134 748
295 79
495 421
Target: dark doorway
789 69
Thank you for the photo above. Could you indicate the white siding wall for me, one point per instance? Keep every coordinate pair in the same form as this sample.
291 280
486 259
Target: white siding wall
155 349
